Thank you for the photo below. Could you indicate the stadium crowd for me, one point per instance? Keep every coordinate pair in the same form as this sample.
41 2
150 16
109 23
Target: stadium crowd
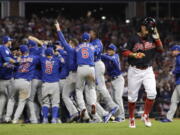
112 30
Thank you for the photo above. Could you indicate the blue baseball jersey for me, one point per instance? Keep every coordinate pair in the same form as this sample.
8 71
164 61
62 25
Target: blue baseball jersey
64 72
176 71
26 67
50 69
6 73
71 60
37 52
112 64
85 54
98 46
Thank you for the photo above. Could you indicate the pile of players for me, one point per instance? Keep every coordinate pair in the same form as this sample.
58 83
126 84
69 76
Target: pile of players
64 68
76 71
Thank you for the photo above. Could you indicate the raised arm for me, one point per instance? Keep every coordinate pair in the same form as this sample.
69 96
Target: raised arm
36 40
63 41
157 40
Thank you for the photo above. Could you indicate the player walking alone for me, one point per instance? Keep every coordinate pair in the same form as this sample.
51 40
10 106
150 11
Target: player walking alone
141 50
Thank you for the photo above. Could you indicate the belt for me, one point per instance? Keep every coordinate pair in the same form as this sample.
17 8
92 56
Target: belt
141 67
22 79
86 65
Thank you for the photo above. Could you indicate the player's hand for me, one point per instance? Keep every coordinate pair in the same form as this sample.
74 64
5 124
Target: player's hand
59 47
138 55
35 39
155 35
32 38
57 26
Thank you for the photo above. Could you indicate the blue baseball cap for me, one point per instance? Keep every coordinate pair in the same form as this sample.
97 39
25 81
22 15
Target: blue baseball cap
24 48
85 36
6 39
175 47
49 52
112 47
32 43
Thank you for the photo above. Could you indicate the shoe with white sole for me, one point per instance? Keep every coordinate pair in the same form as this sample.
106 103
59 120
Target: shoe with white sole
7 120
145 119
107 117
15 121
45 121
132 123
119 119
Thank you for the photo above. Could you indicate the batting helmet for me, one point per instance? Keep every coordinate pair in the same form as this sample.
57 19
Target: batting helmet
150 23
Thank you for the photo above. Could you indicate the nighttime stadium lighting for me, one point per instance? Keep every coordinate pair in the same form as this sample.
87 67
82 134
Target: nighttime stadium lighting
103 17
127 21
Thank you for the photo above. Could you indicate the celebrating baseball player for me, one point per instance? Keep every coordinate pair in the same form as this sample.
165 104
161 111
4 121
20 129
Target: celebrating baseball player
141 50
70 83
112 63
85 74
23 76
6 73
101 86
50 67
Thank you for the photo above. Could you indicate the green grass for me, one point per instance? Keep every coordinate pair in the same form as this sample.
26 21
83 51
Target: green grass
91 129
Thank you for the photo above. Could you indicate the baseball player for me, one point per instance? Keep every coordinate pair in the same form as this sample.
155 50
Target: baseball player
6 73
23 76
50 67
113 69
176 94
85 74
64 69
101 86
64 72
36 82
141 50
70 83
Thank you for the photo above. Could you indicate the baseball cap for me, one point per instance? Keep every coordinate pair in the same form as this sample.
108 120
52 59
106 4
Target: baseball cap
85 36
24 48
32 43
175 47
112 47
49 52
6 39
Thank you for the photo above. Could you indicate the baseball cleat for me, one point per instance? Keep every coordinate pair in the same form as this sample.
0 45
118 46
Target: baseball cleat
54 121
74 117
107 117
166 120
146 120
118 119
15 121
132 123
59 121
45 121
7 120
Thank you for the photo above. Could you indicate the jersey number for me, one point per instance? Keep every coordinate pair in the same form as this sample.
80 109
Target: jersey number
85 53
49 67
24 68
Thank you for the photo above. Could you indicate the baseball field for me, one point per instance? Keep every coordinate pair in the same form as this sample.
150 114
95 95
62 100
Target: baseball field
158 128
